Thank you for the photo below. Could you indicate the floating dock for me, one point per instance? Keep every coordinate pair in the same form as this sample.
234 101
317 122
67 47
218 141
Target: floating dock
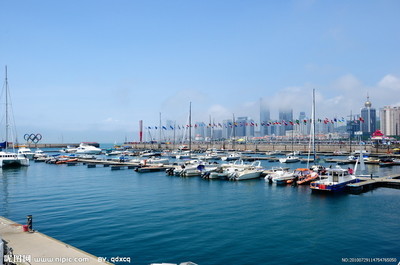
37 248
369 183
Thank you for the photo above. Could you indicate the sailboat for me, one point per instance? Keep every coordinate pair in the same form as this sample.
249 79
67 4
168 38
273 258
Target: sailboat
9 159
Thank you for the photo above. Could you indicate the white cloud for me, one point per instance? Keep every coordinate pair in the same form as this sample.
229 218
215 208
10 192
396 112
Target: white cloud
348 82
390 81
219 112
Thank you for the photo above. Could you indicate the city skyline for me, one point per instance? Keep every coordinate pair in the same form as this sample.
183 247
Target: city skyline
90 70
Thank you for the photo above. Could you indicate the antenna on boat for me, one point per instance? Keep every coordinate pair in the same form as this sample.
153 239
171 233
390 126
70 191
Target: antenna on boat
7 125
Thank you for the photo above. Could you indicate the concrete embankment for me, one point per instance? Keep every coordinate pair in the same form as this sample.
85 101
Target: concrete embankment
37 248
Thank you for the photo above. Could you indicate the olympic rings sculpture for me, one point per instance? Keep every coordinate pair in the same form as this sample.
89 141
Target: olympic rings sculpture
34 138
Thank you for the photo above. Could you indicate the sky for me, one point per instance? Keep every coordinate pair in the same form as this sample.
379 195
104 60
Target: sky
90 70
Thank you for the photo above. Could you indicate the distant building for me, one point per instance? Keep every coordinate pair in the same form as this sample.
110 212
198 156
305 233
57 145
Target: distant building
265 117
303 128
199 129
227 129
250 128
353 125
285 115
390 120
368 115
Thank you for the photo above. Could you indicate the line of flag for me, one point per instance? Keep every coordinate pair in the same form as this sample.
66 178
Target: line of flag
242 124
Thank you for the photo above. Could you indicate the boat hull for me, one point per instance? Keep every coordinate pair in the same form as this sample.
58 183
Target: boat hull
339 187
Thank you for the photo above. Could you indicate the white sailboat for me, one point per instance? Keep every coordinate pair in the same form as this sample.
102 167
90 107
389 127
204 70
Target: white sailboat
7 158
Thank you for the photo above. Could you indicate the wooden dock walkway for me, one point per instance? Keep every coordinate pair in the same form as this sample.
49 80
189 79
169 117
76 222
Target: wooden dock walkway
368 183
36 248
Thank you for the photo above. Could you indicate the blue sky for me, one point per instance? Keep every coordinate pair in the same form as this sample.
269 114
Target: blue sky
90 70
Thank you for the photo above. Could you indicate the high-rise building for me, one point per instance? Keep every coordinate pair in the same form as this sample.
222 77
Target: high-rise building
368 115
227 129
240 126
304 127
353 125
265 117
390 120
250 131
199 129
287 116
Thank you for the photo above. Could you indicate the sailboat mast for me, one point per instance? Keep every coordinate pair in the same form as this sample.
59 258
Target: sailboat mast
190 126
159 134
313 125
6 108
234 130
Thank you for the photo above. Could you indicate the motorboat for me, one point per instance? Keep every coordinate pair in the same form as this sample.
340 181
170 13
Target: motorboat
304 175
231 157
194 168
252 172
69 149
274 153
155 160
226 171
278 173
87 149
25 151
289 159
337 179
386 162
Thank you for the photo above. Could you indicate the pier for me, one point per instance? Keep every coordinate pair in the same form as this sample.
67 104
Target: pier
37 248
369 183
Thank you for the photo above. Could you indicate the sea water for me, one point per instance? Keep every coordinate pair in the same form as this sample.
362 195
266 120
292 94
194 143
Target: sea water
152 217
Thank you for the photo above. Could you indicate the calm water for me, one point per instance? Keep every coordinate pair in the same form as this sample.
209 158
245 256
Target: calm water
152 217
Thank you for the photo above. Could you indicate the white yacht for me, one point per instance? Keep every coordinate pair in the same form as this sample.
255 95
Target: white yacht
231 156
252 172
289 159
23 150
87 149
9 159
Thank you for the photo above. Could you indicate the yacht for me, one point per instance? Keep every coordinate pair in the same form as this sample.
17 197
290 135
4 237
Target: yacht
87 149
278 173
231 156
23 150
252 172
289 159
9 159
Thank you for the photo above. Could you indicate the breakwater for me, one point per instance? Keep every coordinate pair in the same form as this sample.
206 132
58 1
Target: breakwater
256 147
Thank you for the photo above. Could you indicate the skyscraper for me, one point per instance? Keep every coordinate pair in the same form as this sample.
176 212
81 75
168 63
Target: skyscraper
368 115
285 115
390 120
264 117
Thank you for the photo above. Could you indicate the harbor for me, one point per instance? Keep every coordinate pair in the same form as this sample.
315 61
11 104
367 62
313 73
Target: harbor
105 212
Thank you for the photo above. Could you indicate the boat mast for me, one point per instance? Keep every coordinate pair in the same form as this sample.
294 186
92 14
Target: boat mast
6 84
234 131
159 134
313 125
190 127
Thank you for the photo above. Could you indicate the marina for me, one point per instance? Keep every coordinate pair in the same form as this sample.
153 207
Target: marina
200 132
92 208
